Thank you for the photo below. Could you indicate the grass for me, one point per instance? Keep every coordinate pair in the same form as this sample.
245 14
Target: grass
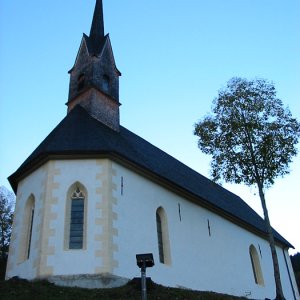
42 290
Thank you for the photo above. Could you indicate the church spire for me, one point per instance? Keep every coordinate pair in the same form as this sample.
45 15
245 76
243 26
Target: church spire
97 28
94 78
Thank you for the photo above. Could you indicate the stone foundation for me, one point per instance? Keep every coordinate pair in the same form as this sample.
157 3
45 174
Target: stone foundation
89 281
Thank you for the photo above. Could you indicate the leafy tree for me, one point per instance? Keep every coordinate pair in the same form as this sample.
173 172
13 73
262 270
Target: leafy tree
252 139
6 216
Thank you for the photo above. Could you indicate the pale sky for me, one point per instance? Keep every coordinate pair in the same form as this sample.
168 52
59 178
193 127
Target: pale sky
174 57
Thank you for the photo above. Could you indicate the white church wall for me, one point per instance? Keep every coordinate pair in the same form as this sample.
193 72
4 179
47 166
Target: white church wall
218 260
207 252
18 264
66 261
287 275
49 185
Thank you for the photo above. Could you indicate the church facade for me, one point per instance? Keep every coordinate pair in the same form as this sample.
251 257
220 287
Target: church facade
93 194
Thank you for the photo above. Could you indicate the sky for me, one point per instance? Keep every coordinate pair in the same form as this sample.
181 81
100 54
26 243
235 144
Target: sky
174 56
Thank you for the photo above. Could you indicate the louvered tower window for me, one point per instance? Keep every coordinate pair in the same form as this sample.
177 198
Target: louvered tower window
80 82
106 83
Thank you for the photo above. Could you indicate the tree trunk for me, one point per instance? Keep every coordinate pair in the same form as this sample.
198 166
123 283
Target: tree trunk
279 291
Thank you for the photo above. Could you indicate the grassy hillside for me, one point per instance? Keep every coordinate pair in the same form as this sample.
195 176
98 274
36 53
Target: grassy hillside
43 290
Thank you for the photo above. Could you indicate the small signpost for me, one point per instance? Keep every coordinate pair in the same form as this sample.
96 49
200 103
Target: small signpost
144 261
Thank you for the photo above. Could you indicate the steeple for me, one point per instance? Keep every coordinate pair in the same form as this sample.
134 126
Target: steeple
94 78
97 28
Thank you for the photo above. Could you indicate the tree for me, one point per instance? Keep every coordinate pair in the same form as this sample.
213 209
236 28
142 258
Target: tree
252 139
6 216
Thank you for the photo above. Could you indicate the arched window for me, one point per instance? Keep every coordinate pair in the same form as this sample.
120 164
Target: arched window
256 268
106 83
163 237
80 82
75 227
160 238
27 229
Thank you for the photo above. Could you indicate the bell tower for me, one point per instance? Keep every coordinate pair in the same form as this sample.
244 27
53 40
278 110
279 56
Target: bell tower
94 78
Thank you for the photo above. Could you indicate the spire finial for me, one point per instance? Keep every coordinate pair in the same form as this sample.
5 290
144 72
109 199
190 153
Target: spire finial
97 28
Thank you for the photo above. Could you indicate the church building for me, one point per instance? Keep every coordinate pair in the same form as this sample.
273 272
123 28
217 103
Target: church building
93 194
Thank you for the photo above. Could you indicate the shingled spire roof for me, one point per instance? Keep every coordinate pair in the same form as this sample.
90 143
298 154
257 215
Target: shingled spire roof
96 38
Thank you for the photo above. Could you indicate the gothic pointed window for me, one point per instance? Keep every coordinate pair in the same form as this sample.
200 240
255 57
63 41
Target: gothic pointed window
256 268
163 237
77 219
75 226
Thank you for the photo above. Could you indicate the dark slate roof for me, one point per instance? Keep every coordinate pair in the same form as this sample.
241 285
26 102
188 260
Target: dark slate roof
79 134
